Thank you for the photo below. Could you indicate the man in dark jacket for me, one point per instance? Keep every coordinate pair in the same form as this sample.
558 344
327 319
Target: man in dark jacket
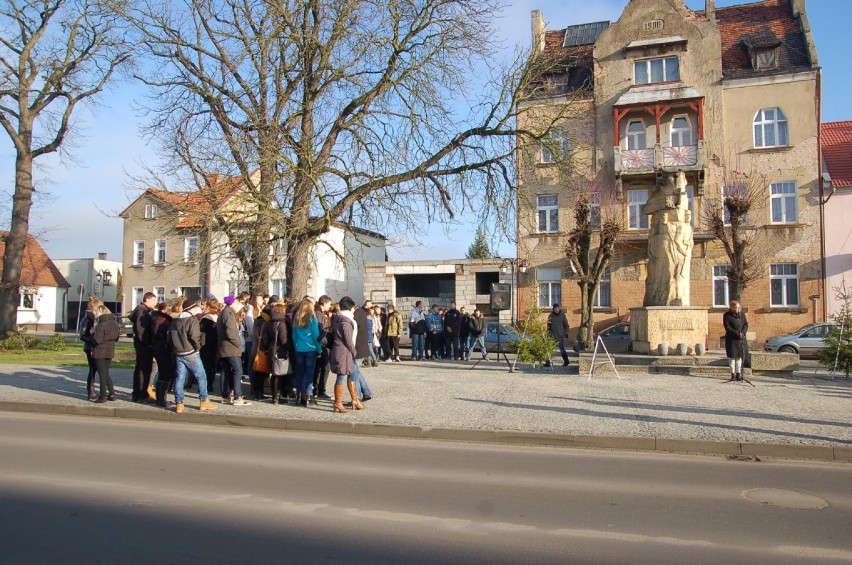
452 330
230 350
143 342
185 342
557 326
161 320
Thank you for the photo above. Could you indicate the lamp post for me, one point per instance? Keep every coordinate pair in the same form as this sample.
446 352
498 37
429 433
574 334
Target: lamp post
103 277
512 267
235 276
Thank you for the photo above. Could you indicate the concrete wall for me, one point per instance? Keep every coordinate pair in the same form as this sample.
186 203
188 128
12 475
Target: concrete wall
46 314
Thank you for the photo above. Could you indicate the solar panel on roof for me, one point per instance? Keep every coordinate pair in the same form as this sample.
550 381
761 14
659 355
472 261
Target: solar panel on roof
584 34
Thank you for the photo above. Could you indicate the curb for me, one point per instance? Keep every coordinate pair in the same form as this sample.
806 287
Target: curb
539 439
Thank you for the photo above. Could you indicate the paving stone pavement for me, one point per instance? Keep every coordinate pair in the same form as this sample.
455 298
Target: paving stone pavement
805 410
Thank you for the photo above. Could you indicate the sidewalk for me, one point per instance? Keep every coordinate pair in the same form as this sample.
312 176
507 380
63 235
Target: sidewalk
807 416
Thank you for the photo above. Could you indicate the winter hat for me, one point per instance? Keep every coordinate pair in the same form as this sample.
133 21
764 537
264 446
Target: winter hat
189 305
228 300
211 296
273 299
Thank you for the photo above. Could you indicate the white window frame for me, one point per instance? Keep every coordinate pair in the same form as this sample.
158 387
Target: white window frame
137 293
279 287
603 294
636 140
636 220
776 126
550 213
150 211
781 276
160 293
139 253
721 281
559 142
676 134
549 287
160 251
784 194
648 65
189 257
27 299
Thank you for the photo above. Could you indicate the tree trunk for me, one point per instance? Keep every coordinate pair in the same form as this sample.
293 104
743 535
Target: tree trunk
298 268
586 328
13 256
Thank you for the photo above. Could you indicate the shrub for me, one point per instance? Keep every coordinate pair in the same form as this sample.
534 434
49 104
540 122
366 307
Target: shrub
18 340
535 345
56 342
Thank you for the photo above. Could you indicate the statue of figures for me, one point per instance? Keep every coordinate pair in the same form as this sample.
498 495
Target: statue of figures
669 244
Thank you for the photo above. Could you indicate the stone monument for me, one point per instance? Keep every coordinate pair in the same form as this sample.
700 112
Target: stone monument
666 316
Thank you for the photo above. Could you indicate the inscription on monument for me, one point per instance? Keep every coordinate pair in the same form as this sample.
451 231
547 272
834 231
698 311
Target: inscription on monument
653 25
679 324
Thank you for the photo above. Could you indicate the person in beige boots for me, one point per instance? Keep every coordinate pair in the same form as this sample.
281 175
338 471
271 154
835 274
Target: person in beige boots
342 358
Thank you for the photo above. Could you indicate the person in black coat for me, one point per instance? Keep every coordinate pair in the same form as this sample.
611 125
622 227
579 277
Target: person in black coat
104 339
736 327
275 342
161 320
87 334
143 345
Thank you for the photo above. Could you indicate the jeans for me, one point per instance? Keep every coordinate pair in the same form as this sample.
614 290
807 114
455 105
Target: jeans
473 341
306 362
361 387
189 364
561 344
418 346
232 376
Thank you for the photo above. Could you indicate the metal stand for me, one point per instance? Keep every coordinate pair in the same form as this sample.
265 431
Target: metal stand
498 352
609 360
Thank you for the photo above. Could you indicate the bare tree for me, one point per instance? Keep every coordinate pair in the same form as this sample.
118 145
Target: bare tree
54 55
590 249
352 110
727 216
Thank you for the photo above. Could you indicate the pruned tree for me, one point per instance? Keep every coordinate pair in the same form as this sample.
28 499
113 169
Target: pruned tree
743 191
351 110
479 249
55 55
590 249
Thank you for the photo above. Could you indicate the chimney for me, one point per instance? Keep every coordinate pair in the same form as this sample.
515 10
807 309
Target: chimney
710 10
102 256
538 30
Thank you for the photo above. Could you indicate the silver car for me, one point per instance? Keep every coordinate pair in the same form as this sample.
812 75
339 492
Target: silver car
806 341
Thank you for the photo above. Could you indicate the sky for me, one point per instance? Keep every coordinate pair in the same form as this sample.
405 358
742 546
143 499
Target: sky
80 194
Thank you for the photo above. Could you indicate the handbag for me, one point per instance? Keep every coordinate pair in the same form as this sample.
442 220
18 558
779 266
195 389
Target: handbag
261 362
280 366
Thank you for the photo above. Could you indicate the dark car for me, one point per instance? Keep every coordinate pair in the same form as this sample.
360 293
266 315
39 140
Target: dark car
507 335
806 341
617 338
126 325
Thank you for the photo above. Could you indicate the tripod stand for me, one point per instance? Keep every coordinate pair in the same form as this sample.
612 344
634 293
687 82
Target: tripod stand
498 352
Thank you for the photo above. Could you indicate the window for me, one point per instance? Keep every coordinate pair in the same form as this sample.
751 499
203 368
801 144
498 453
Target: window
549 287
150 211
279 287
636 198
764 59
27 301
595 212
548 213
138 253
160 292
556 148
190 249
191 292
136 297
680 132
603 296
636 135
784 284
159 251
656 70
770 128
783 202
720 285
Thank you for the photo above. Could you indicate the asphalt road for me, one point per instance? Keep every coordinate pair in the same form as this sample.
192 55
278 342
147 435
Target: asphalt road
81 490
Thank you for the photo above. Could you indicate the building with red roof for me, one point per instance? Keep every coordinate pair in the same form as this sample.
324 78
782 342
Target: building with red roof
666 89
836 143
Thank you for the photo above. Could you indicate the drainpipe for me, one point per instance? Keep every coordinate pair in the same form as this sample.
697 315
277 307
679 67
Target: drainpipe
820 184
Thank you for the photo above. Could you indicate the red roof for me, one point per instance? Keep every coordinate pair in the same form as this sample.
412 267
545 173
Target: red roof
836 142
37 268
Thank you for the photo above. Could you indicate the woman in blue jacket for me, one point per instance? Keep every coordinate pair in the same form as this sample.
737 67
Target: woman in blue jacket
306 342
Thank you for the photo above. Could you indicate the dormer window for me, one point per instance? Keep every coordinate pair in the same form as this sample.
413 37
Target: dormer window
765 59
762 47
665 69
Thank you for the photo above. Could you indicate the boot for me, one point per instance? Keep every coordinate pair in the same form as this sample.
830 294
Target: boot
356 404
338 400
739 376
733 376
564 359
161 390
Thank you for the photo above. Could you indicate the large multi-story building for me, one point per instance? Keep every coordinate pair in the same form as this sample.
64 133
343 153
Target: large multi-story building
666 89
171 249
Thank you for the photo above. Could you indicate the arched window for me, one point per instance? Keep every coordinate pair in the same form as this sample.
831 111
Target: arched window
680 132
636 135
770 128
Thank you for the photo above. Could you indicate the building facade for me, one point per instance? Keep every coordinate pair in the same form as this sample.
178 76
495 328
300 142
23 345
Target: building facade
720 94
170 249
99 277
836 142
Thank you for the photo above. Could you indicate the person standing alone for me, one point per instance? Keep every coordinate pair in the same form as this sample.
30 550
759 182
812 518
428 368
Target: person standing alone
557 326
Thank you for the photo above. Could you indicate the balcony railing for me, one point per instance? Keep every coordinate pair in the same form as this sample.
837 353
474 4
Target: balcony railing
687 158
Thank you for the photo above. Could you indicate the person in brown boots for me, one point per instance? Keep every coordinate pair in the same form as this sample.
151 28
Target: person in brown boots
342 358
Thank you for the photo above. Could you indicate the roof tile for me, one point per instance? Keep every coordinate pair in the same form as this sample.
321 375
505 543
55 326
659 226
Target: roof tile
37 268
836 142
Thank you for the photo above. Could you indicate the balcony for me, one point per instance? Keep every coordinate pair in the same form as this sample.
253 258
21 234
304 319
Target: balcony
658 158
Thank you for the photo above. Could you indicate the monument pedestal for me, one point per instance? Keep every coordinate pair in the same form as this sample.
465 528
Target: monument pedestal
652 325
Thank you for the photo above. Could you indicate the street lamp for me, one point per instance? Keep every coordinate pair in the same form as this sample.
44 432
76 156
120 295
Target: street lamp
512 267
235 276
104 277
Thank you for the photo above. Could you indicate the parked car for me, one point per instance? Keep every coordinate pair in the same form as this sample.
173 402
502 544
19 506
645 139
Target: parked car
617 338
126 325
805 341
507 336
